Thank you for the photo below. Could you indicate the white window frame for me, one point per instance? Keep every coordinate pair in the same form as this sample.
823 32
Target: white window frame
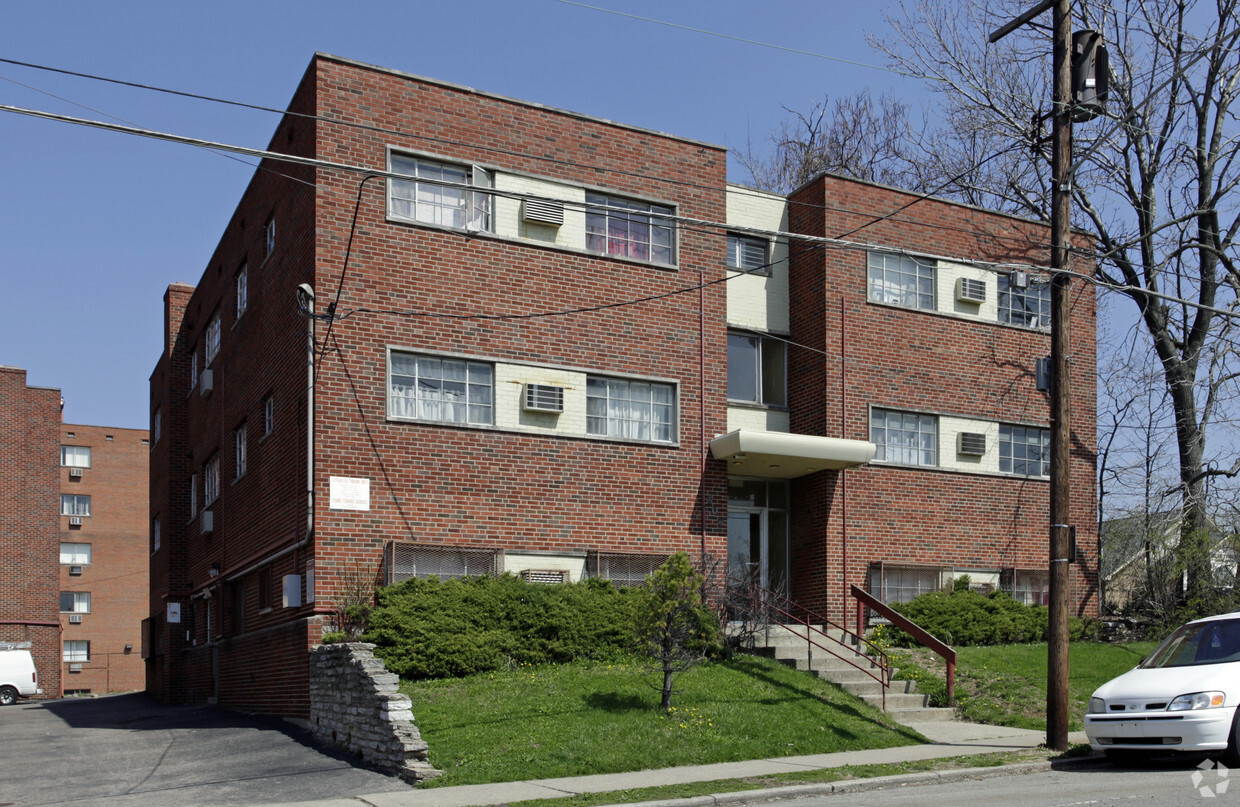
269 237
423 387
72 456
905 438
193 495
79 602
615 225
1025 308
239 448
156 537
269 415
241 286
769 368
157 425
631 409
1015 456
749 254
438 196
895 279
74 504
72 554
214 335
211 480
75 651
193 368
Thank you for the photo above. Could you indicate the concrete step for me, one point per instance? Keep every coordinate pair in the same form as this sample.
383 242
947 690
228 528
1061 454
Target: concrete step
826 665
863 689
899 700
928 714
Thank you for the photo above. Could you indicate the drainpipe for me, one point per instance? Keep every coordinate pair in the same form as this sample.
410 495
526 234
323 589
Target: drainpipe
844 474
702 402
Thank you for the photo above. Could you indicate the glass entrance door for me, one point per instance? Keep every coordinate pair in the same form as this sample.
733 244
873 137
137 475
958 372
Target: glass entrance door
758 534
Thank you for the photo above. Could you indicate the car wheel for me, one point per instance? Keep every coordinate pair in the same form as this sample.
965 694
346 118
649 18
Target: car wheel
8 696
1231 757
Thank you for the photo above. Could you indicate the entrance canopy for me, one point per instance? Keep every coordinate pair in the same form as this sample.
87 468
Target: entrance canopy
779 455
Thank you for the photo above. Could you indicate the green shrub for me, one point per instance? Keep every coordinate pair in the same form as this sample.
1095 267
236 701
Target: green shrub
441 629
965 617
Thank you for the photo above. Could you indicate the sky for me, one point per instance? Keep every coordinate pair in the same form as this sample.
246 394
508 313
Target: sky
94 225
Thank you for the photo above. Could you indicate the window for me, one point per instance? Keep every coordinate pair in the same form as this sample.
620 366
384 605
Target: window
213 338
1024 451
241 285
75 650
441 390
157 424
633 410
269 236
900 280
211 480
1032 587
74 554
156 528
1029 307
748 254
193 368
432 202
75 456
75 602
239 448
264 589
904 437
628 229
892 584
269 415
193 495
756 369
71 504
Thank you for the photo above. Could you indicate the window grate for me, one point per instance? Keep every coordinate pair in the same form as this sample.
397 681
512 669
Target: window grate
544 211
545 576
971 290
544 398
971 443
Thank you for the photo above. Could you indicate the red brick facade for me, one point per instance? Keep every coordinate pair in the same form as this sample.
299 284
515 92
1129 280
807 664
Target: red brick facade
113 542
234 608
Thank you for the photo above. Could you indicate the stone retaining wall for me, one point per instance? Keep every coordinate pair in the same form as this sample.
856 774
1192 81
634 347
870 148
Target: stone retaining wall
354 704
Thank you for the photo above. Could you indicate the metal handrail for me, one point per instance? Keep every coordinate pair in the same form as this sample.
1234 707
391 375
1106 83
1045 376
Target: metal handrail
769 603
923 636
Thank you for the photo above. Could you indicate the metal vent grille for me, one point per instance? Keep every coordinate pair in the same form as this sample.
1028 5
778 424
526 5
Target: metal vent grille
545 576
543 211
622 568
970 290
403 560
75 473
544 398
971 443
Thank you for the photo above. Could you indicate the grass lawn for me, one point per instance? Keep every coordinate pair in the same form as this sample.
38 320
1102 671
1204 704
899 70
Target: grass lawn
578 719
1006 684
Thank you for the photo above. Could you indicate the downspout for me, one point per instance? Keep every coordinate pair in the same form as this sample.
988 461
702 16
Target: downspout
844 475
702 405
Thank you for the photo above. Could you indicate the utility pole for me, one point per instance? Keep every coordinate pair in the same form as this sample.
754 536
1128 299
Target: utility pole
1060 501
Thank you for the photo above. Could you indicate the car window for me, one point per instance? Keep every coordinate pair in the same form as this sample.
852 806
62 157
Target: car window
1212 642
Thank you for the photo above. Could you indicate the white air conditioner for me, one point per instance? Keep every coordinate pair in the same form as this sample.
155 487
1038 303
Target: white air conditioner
206 522
75 571
543 211
543 398
75 473
971 443
75 521
75 668
970 290
206 382
75 619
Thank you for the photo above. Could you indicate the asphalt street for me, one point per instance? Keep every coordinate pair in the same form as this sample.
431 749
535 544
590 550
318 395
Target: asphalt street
129 750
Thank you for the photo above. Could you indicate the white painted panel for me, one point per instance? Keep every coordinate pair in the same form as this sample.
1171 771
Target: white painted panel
763 420
951 427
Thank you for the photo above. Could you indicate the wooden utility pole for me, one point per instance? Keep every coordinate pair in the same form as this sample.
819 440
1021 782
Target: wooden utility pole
1061 426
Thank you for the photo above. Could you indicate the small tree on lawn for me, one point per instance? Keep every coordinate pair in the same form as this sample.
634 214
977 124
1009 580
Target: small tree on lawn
675 626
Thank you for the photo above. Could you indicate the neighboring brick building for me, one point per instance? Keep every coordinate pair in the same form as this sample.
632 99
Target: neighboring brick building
381 421
29 491
104 557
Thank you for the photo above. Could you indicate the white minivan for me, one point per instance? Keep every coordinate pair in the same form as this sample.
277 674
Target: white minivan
17 676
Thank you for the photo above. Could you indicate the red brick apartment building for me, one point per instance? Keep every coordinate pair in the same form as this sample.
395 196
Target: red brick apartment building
560 346
73 539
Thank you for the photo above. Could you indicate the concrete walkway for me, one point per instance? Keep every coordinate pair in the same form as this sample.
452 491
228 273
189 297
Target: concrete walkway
948 739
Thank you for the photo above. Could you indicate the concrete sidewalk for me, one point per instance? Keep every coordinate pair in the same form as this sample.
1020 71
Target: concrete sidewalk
948 739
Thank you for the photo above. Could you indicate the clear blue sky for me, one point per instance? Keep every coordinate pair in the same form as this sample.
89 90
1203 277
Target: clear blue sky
94 225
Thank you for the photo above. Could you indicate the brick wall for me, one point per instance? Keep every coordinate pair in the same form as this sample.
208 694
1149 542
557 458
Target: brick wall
29 504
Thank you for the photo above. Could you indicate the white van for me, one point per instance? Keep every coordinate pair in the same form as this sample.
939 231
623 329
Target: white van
17 676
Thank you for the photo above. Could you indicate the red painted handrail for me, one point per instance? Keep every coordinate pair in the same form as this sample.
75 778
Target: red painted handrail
868 600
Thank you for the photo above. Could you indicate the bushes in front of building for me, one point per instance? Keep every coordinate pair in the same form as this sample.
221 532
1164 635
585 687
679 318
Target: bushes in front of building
965 617
433 628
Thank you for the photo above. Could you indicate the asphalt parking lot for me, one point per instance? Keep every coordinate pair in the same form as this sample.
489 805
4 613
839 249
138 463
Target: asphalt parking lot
130 750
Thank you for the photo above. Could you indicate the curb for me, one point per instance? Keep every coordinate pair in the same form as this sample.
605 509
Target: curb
846 786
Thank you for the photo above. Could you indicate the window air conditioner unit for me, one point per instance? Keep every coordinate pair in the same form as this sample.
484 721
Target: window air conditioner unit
543 211
1018 280
75 571
543 398
545 576
969 290
75 668
75 619
971 443
206 522
206 382
75 473
75 521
